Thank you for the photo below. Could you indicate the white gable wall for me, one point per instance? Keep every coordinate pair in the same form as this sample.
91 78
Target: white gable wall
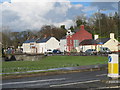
52 43
63 45
112 44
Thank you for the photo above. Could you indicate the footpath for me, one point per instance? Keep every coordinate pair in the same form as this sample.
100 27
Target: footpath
53 71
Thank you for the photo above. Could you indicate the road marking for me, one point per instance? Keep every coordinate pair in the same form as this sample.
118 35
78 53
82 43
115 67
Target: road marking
108 87
66 84
101 75
32 85
32 81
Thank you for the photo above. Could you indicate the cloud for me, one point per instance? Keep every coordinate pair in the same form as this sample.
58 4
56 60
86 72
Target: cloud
21 14
105 5
32 15
94 0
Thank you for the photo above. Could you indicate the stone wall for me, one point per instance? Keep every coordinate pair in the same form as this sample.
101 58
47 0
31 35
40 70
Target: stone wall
24 57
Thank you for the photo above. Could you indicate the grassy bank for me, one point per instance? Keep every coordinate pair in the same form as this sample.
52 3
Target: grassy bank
52 62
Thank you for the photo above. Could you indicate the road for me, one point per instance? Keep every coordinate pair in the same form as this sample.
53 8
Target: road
89 79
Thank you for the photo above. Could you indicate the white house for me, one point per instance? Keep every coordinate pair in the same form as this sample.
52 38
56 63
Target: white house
47 43
110 43
40 45
63 44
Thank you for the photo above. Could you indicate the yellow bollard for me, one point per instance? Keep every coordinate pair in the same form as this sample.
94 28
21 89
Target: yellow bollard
113 66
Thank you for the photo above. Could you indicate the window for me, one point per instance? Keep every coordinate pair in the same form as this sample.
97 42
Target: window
76 43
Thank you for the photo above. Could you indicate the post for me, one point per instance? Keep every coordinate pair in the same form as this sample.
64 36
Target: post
113 66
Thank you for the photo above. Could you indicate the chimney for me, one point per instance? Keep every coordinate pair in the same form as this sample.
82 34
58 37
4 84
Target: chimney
82 27
112 36
45 36
95 37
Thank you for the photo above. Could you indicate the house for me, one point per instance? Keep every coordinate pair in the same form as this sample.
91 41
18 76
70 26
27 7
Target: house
73 40
63 44
88 44
110 43
40 45
47 43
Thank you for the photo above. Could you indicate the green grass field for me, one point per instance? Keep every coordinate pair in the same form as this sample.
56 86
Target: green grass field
52 62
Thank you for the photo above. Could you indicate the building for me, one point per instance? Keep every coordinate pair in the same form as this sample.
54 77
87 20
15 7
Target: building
74 39
40 45
29 46
88 44
63 44
110 43
47 43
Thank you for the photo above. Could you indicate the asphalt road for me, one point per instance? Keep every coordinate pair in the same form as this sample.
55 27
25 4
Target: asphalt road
89 79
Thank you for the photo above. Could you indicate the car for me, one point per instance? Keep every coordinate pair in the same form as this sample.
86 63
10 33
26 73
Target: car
56 51
49 51
104 50
91 52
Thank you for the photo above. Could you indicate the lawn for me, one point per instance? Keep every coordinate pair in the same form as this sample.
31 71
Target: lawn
52 62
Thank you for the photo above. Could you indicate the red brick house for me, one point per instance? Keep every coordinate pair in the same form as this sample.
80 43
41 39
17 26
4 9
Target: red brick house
74 39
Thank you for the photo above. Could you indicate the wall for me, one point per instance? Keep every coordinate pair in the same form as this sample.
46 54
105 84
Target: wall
27 57
26 48
63 45
41 47
52 43
85 47
112 44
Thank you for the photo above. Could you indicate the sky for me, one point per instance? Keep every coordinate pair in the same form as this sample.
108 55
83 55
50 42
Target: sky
20 15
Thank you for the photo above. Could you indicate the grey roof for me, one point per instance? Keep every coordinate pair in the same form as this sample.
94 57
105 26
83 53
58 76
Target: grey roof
92 41
43 40
88 42
102 40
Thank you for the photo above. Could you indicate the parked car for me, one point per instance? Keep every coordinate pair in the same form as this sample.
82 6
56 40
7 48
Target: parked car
91 52
104 50
49 51
56 51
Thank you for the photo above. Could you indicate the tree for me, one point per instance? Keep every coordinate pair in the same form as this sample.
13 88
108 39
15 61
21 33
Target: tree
50 30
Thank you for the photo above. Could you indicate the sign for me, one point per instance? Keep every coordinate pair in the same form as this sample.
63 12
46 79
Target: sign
109 58
113 66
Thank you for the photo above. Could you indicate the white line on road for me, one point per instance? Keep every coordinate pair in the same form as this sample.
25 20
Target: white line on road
101 75
66 84
32 81
108 87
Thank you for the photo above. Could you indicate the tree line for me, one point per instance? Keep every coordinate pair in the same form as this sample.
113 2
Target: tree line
98 23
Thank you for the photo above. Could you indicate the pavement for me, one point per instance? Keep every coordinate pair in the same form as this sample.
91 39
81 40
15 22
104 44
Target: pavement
82 68
92 80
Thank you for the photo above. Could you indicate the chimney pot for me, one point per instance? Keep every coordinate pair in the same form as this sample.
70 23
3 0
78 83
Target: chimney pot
82 27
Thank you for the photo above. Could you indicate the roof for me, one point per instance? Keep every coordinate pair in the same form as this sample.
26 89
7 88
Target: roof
43 40
102 40
63 37
29 41
88 42
92 41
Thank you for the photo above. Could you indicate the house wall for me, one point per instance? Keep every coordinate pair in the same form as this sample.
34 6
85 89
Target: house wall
80 35
26 48
63 45
85 47
52 43
112 44
41 47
